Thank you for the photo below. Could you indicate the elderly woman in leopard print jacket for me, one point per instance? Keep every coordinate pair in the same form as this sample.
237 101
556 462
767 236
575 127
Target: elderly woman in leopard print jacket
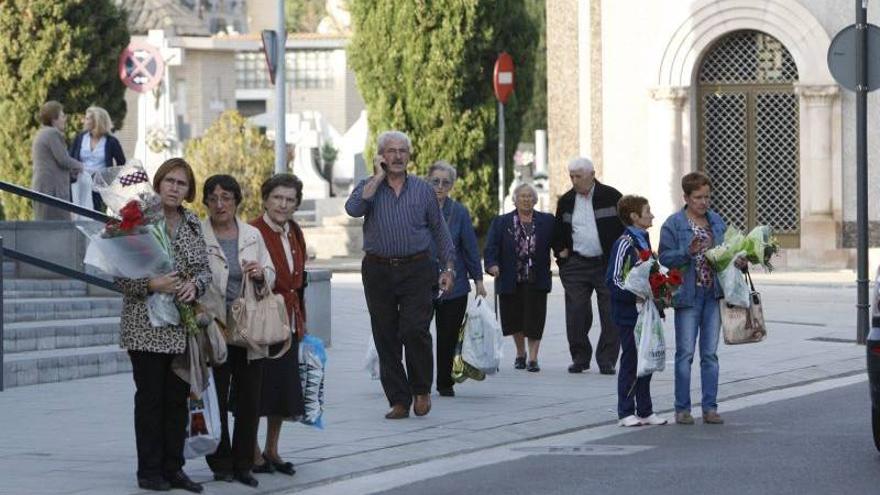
160 402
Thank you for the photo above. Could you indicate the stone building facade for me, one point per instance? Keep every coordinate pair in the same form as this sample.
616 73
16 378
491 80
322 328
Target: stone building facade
737 88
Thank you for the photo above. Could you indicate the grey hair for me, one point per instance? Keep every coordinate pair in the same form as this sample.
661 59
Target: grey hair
580 163
386 136
443 166
525 185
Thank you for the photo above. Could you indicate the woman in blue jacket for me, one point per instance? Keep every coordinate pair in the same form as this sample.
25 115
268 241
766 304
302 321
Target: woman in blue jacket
517 254
96 148
449 308
634 407
684 240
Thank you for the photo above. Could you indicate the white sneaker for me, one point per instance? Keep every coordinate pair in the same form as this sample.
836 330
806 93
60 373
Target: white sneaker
653 420
630 420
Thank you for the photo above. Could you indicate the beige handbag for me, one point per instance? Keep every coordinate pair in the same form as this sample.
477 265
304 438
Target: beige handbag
259 319
743 325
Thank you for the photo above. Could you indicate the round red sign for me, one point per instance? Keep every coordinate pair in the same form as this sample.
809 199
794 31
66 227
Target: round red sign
141 67
503 79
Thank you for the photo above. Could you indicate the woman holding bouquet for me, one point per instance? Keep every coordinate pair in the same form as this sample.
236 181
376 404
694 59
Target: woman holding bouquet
160 402
235 250
517 254
634 406
282 394
684 240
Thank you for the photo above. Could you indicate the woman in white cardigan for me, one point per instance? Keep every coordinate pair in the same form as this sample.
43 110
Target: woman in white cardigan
235 250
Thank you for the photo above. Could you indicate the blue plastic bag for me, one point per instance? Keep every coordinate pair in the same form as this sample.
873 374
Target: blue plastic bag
312 359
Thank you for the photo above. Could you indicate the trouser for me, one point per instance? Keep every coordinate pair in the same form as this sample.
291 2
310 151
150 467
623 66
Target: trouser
400 300
580 277
448 316
242 380
160 414
633 394
699 322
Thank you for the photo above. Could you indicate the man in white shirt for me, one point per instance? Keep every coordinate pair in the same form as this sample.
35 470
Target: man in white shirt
587 226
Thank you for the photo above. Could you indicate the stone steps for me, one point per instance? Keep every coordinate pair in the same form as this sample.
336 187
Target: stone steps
47 308
43 288
8 269
30 336
56 365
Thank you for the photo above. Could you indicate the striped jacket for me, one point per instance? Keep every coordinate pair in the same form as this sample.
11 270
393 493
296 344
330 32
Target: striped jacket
623 302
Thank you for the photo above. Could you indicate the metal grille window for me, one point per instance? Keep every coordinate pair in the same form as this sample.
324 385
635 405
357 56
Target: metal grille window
311 69
749 133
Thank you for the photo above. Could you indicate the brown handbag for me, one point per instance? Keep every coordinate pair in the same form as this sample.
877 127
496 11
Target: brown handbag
743 325
259 319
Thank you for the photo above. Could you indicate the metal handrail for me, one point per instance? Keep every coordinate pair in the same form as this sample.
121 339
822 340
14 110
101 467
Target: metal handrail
53 201
46 265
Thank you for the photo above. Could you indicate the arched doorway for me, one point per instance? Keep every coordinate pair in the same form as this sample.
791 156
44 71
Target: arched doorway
748 132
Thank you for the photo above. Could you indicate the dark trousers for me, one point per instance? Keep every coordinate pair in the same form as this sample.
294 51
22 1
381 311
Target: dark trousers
242 380
633 394
400 301
160 414
448 316
580 277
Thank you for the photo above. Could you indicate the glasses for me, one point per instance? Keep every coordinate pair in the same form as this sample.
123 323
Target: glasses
437 182
395 151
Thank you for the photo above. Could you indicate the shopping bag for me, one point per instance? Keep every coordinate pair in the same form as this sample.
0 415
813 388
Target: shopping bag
203 429
81 194
312 360
461 370
651 342
736 290
743 325
371 360
483 339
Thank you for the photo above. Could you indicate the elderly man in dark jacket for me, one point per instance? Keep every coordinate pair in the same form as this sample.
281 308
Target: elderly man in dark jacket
586 227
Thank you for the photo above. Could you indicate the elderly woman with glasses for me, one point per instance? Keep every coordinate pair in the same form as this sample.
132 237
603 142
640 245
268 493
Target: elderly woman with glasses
450 307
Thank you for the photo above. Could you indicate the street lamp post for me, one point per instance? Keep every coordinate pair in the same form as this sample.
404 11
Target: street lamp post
280 94
861 54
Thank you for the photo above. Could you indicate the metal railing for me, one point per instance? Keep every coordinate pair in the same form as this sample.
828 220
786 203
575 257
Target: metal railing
46 265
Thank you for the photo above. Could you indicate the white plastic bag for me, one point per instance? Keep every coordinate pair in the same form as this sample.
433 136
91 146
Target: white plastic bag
371 360
203 429
650 339
736 290
482 338
81 193
312 360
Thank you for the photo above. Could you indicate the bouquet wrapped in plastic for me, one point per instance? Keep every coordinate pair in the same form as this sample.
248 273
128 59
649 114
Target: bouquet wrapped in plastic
656 285
758 248
136 244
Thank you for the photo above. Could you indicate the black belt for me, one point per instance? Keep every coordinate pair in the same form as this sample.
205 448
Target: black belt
591 259
402 260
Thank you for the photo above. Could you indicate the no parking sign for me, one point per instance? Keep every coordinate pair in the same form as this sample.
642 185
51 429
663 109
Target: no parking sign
141 66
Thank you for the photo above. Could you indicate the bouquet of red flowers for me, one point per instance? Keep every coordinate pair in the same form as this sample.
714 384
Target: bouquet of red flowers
664 282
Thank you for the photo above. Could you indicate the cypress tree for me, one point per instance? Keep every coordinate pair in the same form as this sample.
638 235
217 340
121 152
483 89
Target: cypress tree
65 50
425 67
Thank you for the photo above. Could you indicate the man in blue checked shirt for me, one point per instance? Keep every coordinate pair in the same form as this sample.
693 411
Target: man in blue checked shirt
401 218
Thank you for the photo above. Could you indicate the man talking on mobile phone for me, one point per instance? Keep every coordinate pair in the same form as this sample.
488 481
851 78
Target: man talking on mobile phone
401 217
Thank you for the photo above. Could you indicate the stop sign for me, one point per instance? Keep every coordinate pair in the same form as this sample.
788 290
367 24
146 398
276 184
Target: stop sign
503 78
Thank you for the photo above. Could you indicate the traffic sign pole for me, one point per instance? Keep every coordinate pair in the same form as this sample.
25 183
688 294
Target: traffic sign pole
861 55
501 154
280 94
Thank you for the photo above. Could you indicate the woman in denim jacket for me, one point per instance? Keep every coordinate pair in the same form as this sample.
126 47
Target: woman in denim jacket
684 239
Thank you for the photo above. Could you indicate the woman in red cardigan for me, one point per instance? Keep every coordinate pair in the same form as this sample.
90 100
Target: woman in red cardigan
282 395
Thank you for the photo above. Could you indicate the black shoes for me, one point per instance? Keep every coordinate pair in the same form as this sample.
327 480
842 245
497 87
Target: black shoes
224 476
245 477
270 466
446 392
266 467
182 481
533 367
155 483
520 363
607 370
578 368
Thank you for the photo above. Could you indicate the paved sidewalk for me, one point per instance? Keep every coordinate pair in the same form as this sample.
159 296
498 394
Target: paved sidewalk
77 437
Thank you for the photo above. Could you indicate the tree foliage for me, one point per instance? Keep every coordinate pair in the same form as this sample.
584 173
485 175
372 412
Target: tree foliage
303 16
232 146
425 67
65 50
535 116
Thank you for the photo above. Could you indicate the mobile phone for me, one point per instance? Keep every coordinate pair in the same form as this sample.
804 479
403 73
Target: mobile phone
383 165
